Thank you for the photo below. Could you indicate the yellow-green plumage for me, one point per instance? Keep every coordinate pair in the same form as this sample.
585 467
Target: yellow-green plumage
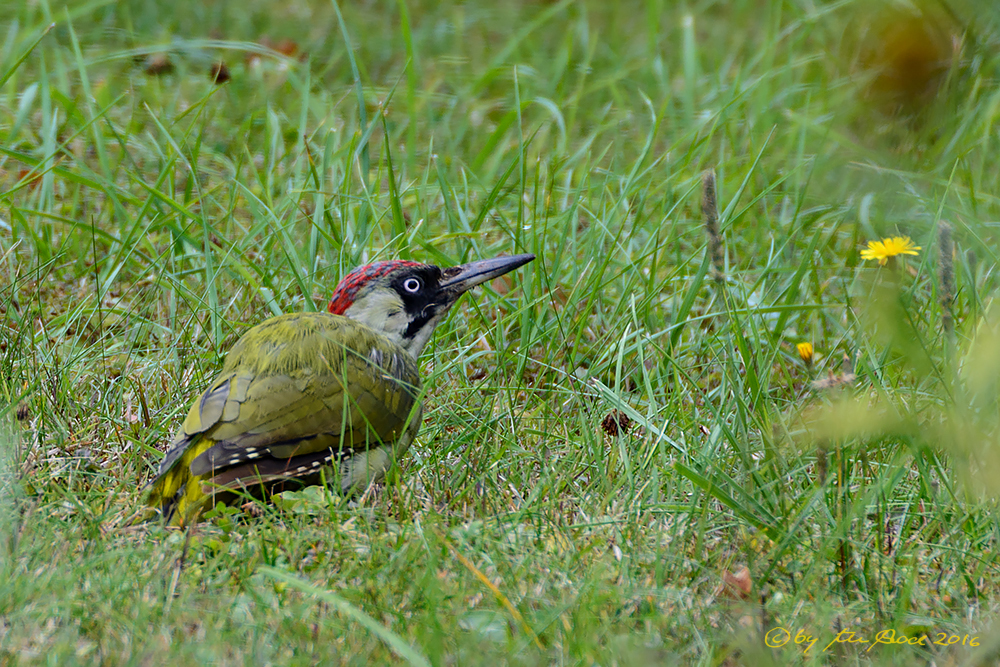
296 393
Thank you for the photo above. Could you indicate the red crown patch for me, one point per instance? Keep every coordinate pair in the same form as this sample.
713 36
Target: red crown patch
348 288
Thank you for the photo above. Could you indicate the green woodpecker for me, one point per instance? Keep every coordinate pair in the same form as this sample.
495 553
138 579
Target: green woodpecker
313 396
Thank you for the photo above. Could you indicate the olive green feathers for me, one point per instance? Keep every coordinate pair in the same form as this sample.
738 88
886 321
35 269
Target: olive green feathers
298 394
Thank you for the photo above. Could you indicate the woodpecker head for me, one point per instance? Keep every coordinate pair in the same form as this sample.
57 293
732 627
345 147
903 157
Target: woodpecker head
405 301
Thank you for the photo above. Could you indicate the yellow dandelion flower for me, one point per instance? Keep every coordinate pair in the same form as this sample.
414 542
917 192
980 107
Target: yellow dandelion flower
889 247
806 352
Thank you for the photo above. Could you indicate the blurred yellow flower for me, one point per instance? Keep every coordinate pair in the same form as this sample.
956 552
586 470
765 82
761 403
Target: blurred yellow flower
889 247
806 352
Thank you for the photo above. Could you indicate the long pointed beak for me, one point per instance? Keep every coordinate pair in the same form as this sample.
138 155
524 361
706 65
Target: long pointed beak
458 280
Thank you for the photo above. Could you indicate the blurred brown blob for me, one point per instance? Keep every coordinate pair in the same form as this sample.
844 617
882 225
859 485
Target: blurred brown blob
158 64
219 73
287 47
33 180
905 53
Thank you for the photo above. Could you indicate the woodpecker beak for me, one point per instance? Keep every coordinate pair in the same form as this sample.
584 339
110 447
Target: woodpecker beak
458 280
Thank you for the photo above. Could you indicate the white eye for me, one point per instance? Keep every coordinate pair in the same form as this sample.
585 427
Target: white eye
412 285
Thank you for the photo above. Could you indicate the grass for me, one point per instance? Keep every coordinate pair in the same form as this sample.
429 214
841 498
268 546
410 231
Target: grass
149 217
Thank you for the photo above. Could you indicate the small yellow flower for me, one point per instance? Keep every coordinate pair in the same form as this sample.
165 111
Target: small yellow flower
889 247
806 352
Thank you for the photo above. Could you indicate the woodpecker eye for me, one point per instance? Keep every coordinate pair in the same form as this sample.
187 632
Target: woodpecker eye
412 285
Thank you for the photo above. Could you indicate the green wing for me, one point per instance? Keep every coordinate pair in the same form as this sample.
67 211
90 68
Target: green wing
292 387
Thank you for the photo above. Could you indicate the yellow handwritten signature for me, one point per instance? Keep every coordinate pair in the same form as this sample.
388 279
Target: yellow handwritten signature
780 636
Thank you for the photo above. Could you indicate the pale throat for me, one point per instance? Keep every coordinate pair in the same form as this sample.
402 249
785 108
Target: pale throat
383 311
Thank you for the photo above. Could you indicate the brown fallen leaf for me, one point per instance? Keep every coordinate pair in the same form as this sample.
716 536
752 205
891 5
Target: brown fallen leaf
737 584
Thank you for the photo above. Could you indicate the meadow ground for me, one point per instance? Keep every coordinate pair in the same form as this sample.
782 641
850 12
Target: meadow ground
626 457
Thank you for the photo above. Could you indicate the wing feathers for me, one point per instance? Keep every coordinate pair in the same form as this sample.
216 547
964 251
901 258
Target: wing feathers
280 409
270 470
